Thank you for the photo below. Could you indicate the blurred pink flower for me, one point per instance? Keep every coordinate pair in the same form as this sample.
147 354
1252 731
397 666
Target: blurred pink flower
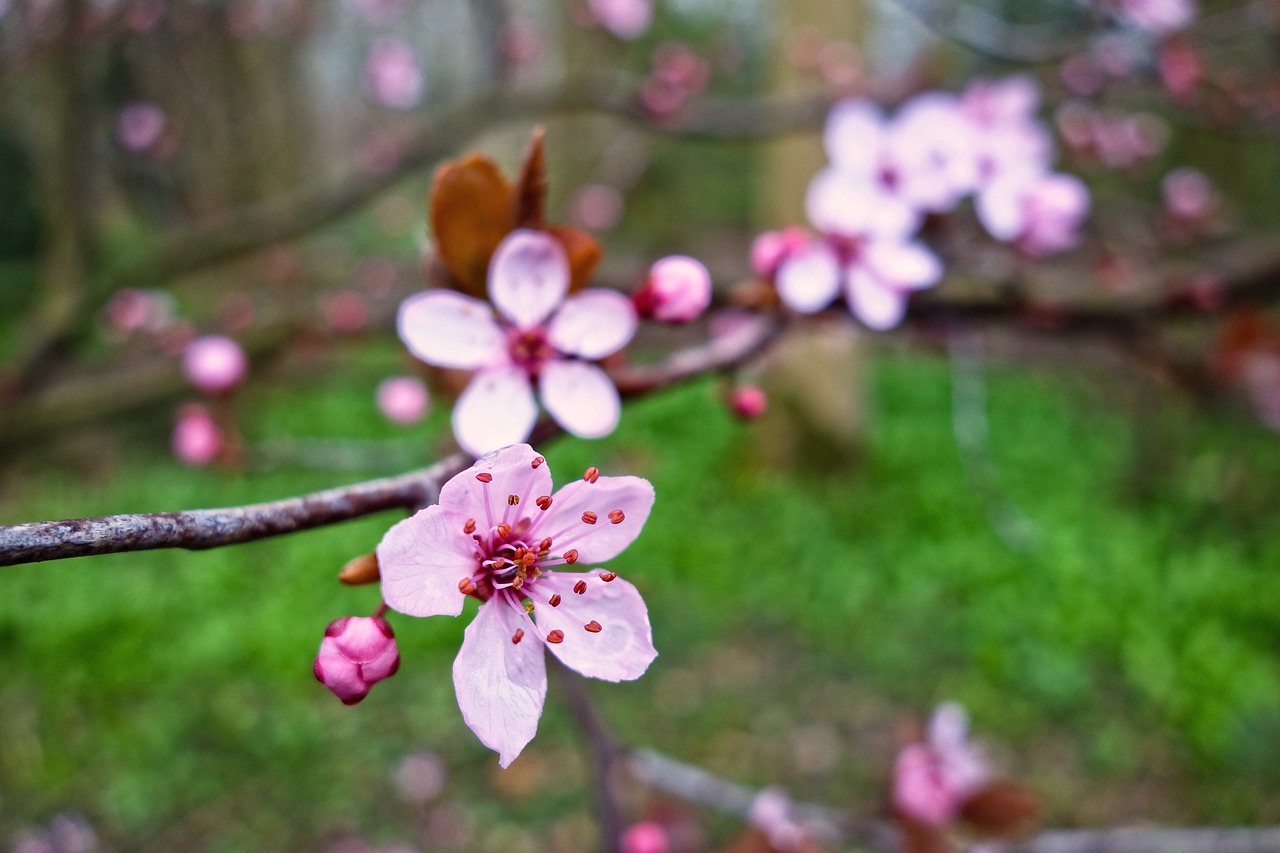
932 780
131 309
403 399
647 836
140 126
771 814
197 441
1158 16
596 207
679 65
771 248
356 653
214 364
626 19
345 311
1188 194
541 340
392 74
1041 214
1180 67
677 290
500 534
748 401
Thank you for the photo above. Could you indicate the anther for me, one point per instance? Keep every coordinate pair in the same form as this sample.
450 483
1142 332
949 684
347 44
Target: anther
544 502
591 474
527 604
592 627
512 500
537 462
518 636
528 559
608 576
580 587
571 556
504 530
484 477
616 516
517 582
469 527
589 517
556 636
545 544
466 586
554 600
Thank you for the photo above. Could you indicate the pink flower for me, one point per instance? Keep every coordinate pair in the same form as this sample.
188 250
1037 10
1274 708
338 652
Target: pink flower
932 780
748 402
356 653
197 440
1040 213
1158 16
1188 194
647 836
214 364
403 399
541 340
392 74
140 125
500 534
678 290
771 248
626 19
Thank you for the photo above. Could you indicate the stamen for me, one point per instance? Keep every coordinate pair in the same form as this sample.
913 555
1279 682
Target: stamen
556 636
504 530
512 500
469 527
580 587
484 477
545 544
589 517
571 556
527 604
608 576
554 600
544 502
591 474
517 637
593 627
517 582
466 586
537 462
616 517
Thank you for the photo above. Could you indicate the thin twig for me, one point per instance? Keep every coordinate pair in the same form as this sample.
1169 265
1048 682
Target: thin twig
605 752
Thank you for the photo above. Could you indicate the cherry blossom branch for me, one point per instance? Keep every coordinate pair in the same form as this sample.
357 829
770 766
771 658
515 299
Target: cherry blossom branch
211 528
605 753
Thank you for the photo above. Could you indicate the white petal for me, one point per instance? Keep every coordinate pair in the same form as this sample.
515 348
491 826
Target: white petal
593 324
854 135
877 305
905 265
605 539
840 202
501 685
809 279
421 560
447 329
512 471
581 397
497 409
528 276
1000 209
623 648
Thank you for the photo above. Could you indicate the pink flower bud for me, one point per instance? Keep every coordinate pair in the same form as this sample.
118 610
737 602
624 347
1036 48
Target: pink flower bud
748 402
645 837
403 399
771 248
140 125
356 653
678 290
921 790
197 441
214 364
1188 193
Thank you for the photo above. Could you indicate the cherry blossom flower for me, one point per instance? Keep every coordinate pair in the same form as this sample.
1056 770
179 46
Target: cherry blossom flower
626 19
140 125
356 653
748 402
499 534
392 74
403 399
214 364
197 440
1041 214
932 780
541 339
678 290
1158 16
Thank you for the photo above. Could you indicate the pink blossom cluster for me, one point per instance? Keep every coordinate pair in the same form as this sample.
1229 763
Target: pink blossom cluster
1160 17
888 173
392 75
677 73
626 19
933 779
1117 140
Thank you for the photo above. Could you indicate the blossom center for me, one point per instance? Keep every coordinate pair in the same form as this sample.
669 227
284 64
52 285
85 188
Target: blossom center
529 349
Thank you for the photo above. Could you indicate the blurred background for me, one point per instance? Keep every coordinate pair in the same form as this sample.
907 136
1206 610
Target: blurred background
1049 496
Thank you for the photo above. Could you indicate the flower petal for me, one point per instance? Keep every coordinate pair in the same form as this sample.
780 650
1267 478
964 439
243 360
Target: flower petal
529 276
876 304
497 409
854 135
593 324
339 674
501 685
622 650
447 329
905 265
809 279
581 397
603 540
513 473
422 559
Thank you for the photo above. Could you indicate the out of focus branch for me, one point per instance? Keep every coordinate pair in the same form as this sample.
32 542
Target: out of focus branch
984 31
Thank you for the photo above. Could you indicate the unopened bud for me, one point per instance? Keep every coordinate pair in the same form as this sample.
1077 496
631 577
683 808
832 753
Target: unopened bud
361 570
678 290
356 653
748 401
214 364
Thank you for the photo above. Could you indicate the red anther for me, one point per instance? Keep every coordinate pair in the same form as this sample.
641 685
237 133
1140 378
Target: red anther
554 600
591 474
469 527
515 558
556 636
592 627
545 544
544 502
504 530
543 552
589 517
537 462
484 477
466 586
517 582
518 636
571 556
529 559
512 500
580 587
616 516
608 576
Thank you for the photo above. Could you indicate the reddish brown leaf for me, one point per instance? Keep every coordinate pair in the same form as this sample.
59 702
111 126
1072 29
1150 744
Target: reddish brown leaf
531 189
1001 808
583 251
919 837
471 211
361 570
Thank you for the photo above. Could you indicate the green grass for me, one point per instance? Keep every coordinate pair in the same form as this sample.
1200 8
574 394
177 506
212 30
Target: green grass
1132 648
